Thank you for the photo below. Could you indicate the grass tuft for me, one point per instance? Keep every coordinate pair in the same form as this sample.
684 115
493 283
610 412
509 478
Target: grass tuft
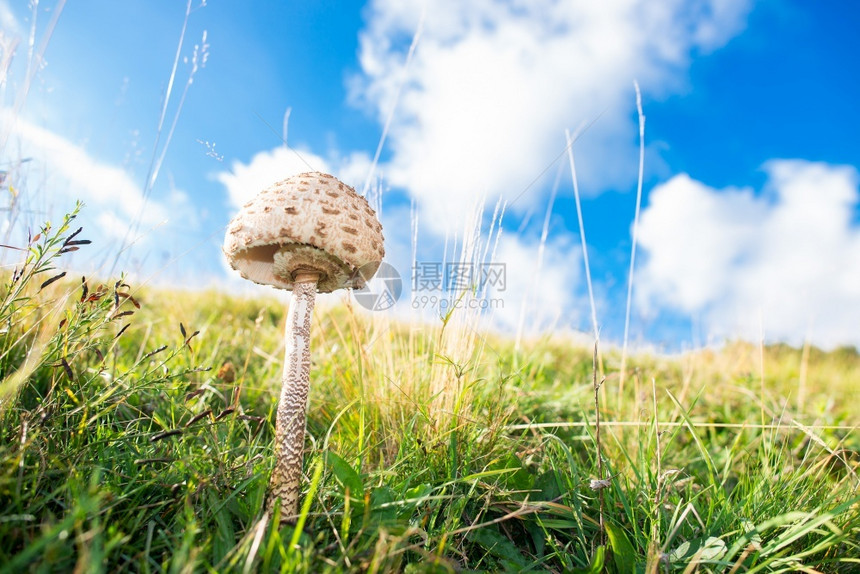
136 430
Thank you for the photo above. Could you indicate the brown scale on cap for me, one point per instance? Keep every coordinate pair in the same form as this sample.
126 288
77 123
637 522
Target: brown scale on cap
313 222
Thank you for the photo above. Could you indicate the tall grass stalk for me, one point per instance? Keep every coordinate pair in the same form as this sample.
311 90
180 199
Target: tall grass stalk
803 374
623 371
390 116
600 483
534 286
461 324
159 151
594 324
35 60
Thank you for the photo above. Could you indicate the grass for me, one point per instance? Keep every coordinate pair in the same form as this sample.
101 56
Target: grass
136 435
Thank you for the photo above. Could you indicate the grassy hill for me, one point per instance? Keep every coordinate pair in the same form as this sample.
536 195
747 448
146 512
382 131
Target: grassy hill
136 430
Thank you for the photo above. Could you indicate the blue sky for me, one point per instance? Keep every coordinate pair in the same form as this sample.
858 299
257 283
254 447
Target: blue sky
749 221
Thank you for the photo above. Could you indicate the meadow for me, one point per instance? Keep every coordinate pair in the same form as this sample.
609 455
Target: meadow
136 429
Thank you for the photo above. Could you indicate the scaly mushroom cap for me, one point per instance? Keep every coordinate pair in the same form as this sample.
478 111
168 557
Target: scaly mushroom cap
309 222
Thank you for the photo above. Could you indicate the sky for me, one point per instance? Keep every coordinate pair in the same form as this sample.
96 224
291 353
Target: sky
165 117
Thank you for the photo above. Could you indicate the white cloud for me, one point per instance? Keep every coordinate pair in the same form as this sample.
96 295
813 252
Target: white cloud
788 258
69 168
537 298
49 173
246 180
112 227
9 25
493 84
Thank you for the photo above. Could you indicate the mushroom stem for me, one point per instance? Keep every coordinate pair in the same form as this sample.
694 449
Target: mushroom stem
290 421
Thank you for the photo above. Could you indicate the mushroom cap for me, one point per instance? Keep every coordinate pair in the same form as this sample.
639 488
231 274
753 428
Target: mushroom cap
309 222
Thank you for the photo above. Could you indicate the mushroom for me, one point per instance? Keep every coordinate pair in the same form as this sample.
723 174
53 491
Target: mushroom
306 234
